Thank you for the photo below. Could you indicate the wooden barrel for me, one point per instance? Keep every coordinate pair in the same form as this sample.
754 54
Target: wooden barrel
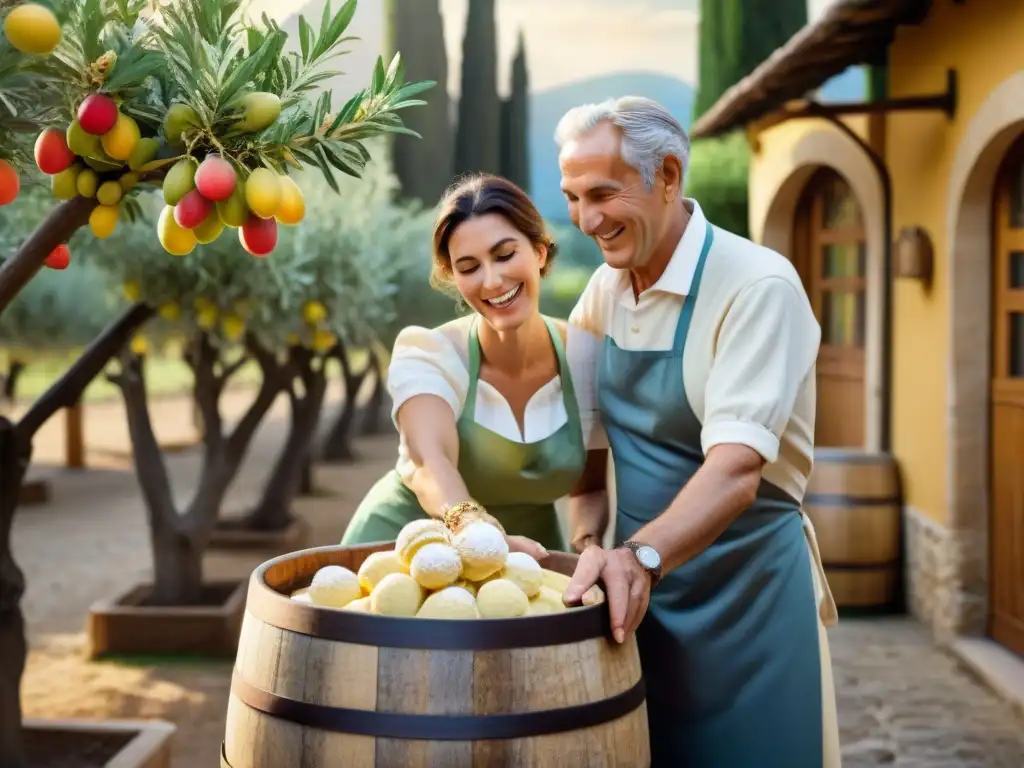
853 499
318 688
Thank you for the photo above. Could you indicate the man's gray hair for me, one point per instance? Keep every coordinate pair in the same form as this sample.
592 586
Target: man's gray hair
649 132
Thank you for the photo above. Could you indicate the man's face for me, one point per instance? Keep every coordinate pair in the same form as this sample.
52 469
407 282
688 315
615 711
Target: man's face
608 200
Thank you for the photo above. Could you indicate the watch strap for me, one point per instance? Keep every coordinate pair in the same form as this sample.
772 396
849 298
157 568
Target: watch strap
633 546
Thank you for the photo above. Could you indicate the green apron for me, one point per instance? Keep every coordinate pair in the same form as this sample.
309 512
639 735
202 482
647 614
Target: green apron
516 482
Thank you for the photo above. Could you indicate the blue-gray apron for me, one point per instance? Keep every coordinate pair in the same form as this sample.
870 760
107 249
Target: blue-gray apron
729 645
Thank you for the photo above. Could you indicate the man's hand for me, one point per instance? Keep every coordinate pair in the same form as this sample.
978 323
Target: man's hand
626 583
522 544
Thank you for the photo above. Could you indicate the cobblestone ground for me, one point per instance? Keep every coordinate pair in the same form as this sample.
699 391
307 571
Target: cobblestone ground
901 701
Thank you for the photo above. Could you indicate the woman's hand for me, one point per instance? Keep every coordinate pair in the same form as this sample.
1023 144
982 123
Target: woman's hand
515 543
626 583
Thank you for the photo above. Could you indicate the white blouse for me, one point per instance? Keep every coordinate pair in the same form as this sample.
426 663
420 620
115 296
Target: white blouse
436 361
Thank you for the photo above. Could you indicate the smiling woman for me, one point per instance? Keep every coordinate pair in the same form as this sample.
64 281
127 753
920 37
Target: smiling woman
497 411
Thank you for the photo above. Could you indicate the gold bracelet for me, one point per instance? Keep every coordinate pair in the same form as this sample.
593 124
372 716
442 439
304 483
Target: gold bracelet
456 515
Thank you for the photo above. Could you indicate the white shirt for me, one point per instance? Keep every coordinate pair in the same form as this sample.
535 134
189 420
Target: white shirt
748 369
436 361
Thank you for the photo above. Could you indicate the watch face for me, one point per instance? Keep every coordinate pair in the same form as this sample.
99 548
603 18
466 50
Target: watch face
648 557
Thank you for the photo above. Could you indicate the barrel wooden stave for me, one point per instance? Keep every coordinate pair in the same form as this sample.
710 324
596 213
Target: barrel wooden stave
426 681
853 499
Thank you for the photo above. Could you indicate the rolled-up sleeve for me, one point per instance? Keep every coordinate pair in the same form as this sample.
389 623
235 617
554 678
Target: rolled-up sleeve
425 362
767 344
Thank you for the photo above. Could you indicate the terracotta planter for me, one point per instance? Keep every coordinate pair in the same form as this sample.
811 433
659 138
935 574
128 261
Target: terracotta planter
119 743
290 539
123 625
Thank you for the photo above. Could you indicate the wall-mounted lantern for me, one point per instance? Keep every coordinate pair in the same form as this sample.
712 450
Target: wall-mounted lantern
914 256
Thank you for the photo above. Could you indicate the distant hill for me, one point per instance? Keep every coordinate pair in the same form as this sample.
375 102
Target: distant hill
547 107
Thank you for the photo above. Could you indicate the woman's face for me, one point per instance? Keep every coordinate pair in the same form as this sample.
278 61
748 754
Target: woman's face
497 270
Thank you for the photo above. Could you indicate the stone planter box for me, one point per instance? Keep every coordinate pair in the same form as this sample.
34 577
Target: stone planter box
229 536
117 743
124 625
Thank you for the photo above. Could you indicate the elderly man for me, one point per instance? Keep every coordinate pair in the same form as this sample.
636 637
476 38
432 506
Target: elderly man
706 388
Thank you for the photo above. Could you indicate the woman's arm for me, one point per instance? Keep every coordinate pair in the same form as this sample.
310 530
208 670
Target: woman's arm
588 502
428 425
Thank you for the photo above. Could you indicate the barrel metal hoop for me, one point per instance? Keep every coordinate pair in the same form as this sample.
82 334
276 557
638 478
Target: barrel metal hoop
845 500
562 628
883 565
400 725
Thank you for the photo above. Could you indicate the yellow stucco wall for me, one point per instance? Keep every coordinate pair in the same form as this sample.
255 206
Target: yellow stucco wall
981 40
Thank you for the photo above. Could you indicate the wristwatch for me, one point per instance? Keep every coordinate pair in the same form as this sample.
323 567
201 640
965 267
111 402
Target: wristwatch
648 558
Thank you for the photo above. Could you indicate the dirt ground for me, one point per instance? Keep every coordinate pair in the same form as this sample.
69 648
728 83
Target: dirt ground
91 541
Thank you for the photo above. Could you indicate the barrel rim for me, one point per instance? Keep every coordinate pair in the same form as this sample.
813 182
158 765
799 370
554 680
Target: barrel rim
280 611
439 727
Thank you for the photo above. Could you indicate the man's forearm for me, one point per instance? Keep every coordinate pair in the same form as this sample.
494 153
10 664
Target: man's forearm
713 498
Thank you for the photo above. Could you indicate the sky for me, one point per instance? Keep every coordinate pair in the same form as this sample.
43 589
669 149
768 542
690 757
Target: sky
566 40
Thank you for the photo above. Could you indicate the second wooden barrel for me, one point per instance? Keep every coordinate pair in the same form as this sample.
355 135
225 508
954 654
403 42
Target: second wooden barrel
854 500
318 688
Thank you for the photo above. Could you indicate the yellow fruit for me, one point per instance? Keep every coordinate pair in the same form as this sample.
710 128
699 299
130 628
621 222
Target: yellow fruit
261 109
179 118
31 28
120 141
145 151
139 345
292 340
234 211
170 311
233 327
201 302
176 240
179 181
242 307
103 220
292 208
323 340
109 193
81 143
263 192
128 181
132 290
64 185
206 318
87 182
210 229
314 312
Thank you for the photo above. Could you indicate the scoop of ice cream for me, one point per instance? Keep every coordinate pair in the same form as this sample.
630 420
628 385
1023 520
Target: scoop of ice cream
467 585
559 582
302 595
523 571
546 600
501 599
377 566
397 594
483 550
334 586
417 533
449 603
362 605
435 565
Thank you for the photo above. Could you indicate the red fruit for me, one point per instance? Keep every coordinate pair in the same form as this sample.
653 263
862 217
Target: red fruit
59 257
97 114
52 153
215 178
258 236
192 210
10 184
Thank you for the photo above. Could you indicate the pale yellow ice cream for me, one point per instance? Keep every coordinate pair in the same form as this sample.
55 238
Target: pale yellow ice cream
397 594
501 599
417 533
449 603
546 600
362 605
435 565
467 585
559 582
483 550
334 586
302 595
523 571
377 566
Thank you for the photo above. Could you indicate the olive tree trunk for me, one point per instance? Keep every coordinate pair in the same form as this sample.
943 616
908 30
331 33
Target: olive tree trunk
337 447
374 416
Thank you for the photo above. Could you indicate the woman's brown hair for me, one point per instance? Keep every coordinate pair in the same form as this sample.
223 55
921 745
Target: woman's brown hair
479 195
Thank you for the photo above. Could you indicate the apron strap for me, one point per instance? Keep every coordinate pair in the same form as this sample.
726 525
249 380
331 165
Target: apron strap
572 409
686 315
473 348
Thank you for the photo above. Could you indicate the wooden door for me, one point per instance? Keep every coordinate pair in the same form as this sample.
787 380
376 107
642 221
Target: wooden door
830 255
1006 537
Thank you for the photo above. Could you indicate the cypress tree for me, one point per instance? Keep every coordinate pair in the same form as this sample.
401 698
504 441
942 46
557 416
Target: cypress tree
736 36
515 154
478 137
416 29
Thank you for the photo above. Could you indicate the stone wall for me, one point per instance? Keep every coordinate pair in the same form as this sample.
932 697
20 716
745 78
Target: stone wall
943 584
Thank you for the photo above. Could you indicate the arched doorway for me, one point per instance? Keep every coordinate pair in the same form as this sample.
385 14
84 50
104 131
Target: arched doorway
1006 520
831 257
